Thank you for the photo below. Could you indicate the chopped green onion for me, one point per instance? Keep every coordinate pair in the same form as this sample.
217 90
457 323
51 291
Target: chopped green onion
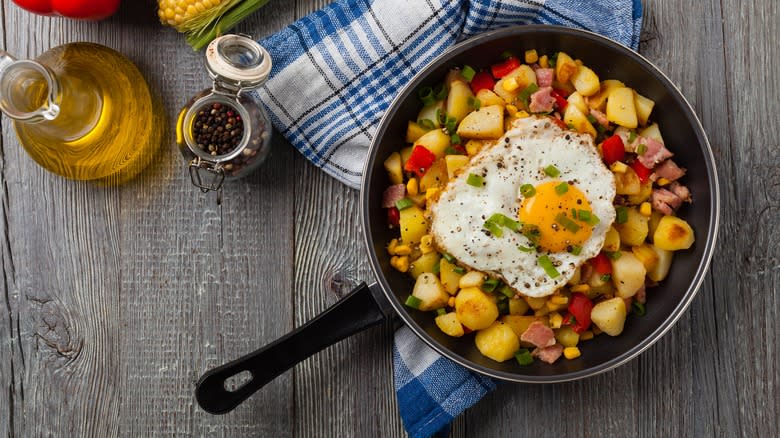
552 171
425 94
606 277
524 357
448 257
622 215
455 139
459 269
591 119
548 266
493 228
441 116
526 248
638 308
614 255
474 102
490 284
641 149
532 233
450 124
441 311
451 151
475 180
524 95
506 54
567 223
562 188
588 217
413 302
437 268
426 123
553 60
507 291
440 91
504 221
527 190
631 136
468 73
403 203
576 250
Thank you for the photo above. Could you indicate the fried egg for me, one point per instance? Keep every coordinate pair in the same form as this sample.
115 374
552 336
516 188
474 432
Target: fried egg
530 208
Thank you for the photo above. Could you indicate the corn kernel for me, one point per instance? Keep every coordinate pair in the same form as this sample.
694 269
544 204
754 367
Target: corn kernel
522 115
412 187
451 302
618 167
431 193
403 250
391 246
556 320
511 110
662 181
543 62
581 288
400 263
587 335
426 244
510 84
531 56
645 210
559 299
571 352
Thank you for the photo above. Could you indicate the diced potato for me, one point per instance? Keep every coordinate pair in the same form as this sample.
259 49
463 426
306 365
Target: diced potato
612 240
449 324
652 224
627 183
576 278
394 168
567 337
435 141
455 162
645 190
620 107
519 324
644 107
673 234
575 118
430 292
405 154
414 131
646 255
488 97
425 263
498 342
413 225
599 286
436 176
517 306
485 123
628 274
472 279
475 309
536 303
523 75
428 112
449 278
585 81
577 100
609 316
565 67
634 231
652 131
473 147
599 100
458 100
661 269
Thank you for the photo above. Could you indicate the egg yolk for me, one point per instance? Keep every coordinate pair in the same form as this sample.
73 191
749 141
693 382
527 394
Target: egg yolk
551 210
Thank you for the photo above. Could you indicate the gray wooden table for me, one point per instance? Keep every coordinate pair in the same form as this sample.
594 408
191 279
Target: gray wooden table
114 300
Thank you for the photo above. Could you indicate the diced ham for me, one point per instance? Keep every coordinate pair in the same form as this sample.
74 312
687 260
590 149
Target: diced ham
669 170
393 194
542 101
665 201
655 152
600 117
681 191
538 334
548 354
544 77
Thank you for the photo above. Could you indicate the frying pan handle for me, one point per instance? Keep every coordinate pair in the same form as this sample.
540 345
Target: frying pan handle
362 308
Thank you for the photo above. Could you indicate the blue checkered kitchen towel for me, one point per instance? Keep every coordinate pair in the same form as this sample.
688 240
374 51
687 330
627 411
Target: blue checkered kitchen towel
335 73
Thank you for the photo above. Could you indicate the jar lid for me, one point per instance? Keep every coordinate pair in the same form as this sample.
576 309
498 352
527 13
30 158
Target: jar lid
238 60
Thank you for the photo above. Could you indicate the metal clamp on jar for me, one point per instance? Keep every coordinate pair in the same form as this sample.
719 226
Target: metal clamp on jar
224 131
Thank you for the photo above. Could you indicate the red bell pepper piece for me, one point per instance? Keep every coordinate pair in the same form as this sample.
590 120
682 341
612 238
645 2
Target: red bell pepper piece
393 216
560 101
613 149
641 171
601 264
482 80
502 69
580 307
562 92
81 9
419 161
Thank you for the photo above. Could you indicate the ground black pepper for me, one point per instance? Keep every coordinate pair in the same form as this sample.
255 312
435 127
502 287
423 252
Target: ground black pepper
218 129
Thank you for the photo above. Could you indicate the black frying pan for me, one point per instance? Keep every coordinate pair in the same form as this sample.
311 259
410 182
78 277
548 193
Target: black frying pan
369 305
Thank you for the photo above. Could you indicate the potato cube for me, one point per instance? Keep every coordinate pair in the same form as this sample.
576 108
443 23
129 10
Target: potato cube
628 274
565 67
488 97
475 309
575 118
425 263
627 183
567 337
405 154
644 107
472 279
428 112
609 316
535 303
652 131
455 162
435 141
673 234
634 231
585 81
646 255
517 306
414 131
523 76
599 100
435 177
519 324
473 147
577 100
484 123
498 342
449 324
612 240
393 168
449 277
662 266
458 100
413 225
645 190
620 107
430 292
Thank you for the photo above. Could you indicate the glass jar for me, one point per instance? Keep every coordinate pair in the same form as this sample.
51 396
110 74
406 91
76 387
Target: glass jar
224 132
